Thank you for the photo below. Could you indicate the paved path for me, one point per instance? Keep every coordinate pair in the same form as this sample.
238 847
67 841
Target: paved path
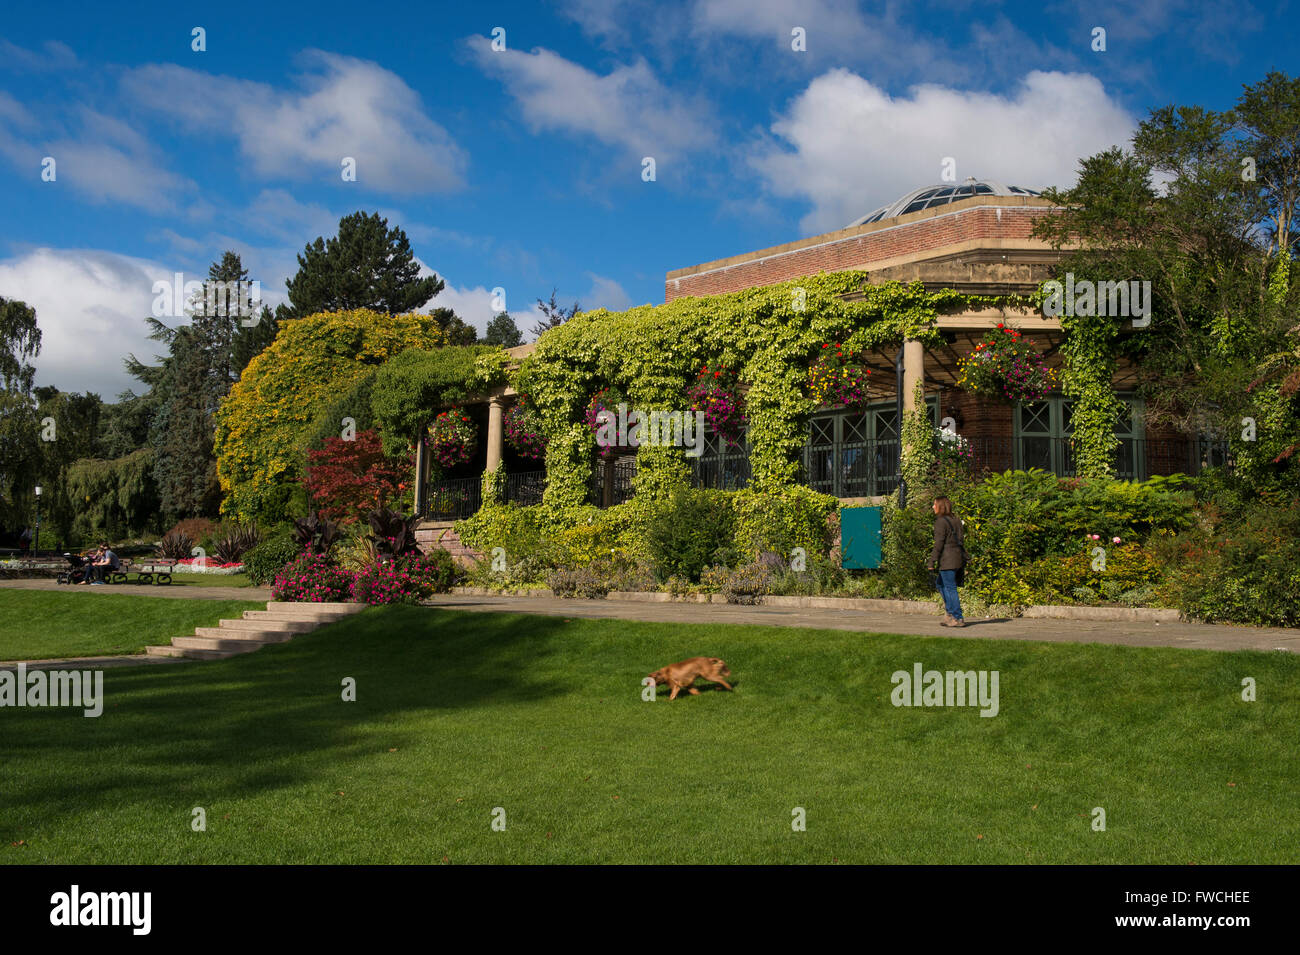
194 591
1198 636
1129 633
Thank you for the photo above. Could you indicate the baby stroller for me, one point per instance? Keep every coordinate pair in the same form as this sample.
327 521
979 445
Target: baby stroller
75 571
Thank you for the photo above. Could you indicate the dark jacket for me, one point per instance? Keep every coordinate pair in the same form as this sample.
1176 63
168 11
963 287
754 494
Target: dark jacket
949 550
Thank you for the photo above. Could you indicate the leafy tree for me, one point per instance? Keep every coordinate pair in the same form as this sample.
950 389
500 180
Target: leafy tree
1223 341
366 266
263 423
347 479
553 316
503 331
457 330
20 341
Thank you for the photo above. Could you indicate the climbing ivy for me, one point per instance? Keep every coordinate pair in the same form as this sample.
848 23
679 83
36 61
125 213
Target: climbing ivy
770 335
917 457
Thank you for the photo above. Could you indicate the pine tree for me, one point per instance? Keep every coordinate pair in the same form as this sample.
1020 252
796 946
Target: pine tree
367 265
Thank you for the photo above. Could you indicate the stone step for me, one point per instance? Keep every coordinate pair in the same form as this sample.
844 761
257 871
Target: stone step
167 651
255 637
296 624
306 608
210 654
225 646
321 617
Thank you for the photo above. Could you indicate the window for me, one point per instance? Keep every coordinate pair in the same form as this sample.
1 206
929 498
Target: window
855 453
1044 428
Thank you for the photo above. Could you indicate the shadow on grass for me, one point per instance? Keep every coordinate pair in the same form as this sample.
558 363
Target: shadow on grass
269 719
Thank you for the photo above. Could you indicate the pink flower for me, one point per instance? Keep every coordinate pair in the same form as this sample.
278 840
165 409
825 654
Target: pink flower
1114 540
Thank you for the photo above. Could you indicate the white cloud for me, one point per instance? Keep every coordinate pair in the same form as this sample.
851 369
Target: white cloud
344 107
849 147
105 159
628 108
55 56
90 307
605 293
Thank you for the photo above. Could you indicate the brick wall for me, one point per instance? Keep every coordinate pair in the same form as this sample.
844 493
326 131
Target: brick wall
984 422
860 248
442 534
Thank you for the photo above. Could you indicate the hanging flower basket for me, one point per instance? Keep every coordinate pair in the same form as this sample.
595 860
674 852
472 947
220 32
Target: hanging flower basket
603 407
523 430
453 438
838 378
716 392
1007 368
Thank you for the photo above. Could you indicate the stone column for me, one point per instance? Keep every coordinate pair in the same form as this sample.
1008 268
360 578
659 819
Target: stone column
913 372
496 433
421 472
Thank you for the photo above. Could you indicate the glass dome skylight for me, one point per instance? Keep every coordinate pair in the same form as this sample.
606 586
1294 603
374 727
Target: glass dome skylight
927 197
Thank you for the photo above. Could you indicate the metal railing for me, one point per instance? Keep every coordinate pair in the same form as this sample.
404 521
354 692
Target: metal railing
451 500
852 469
526 487
728 471
623 471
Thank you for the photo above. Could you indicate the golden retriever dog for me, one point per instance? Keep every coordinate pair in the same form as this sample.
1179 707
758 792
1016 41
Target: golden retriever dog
681 675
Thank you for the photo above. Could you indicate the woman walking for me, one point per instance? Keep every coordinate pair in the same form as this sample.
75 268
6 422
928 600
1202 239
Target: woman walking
949 558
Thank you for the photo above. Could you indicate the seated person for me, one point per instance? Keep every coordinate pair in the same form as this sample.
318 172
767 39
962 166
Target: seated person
86 573
106 564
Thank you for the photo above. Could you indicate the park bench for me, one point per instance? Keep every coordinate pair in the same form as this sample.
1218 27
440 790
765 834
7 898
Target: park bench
153 570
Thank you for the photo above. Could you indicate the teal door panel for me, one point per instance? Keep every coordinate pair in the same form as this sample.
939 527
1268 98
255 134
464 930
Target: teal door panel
860 538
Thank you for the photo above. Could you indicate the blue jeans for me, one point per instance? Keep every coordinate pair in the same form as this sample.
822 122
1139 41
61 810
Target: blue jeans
948 587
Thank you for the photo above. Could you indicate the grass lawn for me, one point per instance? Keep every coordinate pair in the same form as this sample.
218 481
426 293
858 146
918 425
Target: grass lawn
459 713
45 625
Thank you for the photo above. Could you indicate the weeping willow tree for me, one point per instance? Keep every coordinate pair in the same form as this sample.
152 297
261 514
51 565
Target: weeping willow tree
113 499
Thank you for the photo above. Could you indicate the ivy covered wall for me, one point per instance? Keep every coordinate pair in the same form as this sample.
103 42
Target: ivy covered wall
770 335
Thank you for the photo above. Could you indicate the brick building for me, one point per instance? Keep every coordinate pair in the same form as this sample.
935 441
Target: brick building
975 237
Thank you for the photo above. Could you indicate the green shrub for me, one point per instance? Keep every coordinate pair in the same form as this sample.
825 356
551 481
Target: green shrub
434 572
693 529
1246 571
821 577
908 541
522 532
782 520
740 585
591 581
264 561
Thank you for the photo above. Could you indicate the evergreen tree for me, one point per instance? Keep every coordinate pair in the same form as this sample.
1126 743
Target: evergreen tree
367 265
503 331
457 330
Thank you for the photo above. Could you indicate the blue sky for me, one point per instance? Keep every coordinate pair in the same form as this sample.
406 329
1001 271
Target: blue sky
522 168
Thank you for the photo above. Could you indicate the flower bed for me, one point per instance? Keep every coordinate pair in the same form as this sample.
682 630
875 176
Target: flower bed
199 565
